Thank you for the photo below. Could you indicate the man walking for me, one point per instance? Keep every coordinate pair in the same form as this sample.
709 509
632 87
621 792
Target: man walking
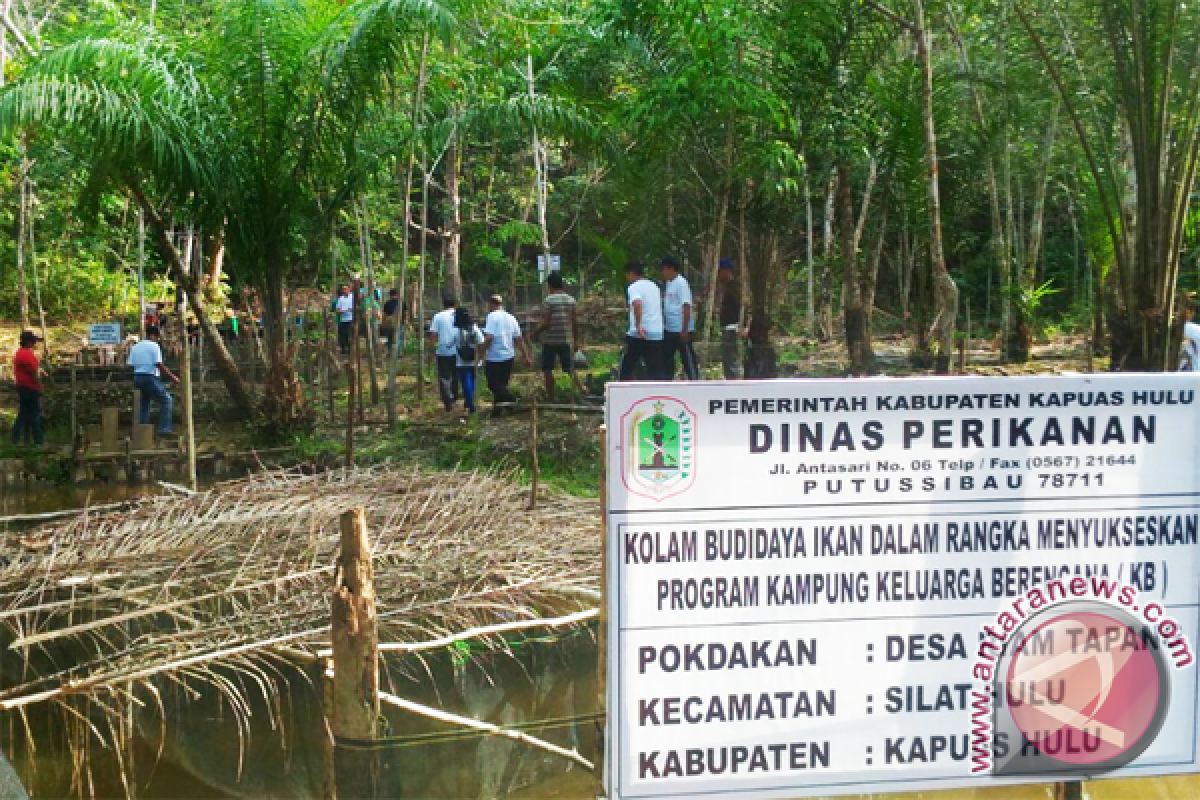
393 320
643 340
343 305
443 336
501 338
147 362
559 333
730 318
28 425
679 322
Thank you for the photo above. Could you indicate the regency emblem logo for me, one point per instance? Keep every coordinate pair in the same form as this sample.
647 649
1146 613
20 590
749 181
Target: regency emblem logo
659 448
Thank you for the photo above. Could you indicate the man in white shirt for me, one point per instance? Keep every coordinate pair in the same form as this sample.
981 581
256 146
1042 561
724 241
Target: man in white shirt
501 338
443 337
679 322
343 306
643 341
146 359
1189 352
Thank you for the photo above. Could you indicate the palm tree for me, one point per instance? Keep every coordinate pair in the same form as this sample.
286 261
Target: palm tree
253 129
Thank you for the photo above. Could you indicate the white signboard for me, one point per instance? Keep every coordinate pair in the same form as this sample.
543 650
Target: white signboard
103 334
815 587
545 268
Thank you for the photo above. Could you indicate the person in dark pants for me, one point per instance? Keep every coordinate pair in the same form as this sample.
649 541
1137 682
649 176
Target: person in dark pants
28 425
147 362
343 305
679 322
643 341
467 355
443 337
559 334
730 318
501 338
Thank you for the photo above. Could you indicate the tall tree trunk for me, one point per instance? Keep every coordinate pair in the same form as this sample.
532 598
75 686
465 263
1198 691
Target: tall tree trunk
855 317
718 240
22 217
999 237
811 318
226 366
453 230
541 177
825 306
370 306
283 398
870 276
410 167
1021 342
945 290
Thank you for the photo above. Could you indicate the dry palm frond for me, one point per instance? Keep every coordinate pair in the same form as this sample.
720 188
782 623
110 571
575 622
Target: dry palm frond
220 587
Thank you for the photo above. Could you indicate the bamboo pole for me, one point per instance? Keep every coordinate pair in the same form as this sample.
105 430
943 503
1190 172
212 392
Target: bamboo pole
141 273
356 663
602 755
533 455
189 421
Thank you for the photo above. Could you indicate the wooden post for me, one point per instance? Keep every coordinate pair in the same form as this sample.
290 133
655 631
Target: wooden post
355 664
533 455
74 414
602 623
109 426
189 425
350 398
356 350
1068 790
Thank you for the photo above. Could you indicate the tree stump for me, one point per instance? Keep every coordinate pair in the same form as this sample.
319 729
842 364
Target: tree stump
356 666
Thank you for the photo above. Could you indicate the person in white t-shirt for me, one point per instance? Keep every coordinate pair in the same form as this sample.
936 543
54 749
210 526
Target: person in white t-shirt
146 358
343 306
1189 352
443 338
501 339
679 322
644 340
467 355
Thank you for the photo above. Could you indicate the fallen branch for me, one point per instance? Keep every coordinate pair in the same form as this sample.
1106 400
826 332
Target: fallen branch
467 722
475 633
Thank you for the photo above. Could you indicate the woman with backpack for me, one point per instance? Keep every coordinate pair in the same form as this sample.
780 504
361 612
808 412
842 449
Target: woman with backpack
467 354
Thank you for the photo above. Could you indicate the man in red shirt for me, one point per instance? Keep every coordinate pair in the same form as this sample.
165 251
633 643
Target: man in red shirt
29 391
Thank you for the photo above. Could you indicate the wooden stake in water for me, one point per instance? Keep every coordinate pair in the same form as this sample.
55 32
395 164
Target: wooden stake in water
356 663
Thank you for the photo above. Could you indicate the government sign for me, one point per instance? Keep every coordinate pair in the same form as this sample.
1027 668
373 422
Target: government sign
821 588
104 334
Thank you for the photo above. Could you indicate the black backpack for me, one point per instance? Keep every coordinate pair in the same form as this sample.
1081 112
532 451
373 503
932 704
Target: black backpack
466 346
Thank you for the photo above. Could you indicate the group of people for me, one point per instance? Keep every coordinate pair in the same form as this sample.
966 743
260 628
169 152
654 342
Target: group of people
662 323
460 346
145 357
391 324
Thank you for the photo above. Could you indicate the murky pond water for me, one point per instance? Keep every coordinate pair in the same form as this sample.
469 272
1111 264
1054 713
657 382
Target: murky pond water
192 743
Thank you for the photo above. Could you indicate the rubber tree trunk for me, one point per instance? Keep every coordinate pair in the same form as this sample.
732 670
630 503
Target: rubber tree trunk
453 234
945 291
227 368
857 347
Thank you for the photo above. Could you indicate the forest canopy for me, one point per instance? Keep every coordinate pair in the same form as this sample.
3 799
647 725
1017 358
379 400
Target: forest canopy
931 164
